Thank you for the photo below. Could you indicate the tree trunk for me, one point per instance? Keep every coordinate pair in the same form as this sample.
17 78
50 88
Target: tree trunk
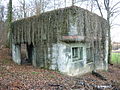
109 38
73 2
106 3
9 21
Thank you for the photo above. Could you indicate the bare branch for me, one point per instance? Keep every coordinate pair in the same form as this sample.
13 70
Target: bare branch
99 8
115 5
115 17
115 9
106 4
73 2
65 2
112 25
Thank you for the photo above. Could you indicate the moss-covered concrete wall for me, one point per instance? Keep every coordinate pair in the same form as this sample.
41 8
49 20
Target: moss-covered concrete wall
50 26
45 32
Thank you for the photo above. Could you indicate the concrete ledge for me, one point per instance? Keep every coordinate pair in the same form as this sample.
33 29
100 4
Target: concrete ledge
73 38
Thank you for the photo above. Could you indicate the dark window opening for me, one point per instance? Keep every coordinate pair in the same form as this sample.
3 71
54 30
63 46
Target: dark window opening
77 53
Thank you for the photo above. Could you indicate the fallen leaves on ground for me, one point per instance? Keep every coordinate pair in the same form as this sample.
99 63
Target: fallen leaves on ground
26 77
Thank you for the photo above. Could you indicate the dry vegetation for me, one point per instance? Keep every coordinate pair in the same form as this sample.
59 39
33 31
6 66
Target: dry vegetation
3 34
24 77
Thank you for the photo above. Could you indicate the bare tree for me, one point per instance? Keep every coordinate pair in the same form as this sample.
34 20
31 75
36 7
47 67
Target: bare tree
54 4
29 8
87 4
65 2
20 11
9 21
110 11
23 7
99 8
1 12
73 2
38 6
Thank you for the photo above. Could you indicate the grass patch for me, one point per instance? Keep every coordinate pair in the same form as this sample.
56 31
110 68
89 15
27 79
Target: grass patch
115 58
35 72
6 61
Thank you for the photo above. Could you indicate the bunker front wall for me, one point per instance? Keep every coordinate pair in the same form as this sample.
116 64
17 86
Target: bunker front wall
46 30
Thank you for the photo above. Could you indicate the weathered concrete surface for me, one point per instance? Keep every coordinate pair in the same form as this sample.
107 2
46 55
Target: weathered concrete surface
16 54
62 59
52 50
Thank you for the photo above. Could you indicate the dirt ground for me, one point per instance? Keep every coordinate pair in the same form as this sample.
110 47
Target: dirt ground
26 77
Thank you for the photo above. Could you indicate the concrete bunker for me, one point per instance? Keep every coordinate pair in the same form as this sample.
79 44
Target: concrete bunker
71 40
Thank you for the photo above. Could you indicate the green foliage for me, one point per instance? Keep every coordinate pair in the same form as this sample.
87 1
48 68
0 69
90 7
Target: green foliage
116 58
35 72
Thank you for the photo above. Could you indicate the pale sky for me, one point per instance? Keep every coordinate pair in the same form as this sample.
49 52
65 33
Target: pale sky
115 31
